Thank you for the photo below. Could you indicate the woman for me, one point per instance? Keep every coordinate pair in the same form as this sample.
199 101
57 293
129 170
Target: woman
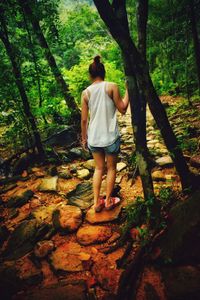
102 99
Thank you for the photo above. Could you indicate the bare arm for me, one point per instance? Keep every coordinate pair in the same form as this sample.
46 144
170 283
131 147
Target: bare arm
84 119
121 104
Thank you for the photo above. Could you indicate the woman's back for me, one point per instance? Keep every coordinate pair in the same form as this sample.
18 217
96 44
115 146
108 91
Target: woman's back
103 127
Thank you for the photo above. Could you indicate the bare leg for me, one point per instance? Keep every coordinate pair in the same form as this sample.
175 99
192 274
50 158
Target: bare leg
111 176
99 158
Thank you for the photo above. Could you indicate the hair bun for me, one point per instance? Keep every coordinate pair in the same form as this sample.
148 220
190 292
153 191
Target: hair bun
97 59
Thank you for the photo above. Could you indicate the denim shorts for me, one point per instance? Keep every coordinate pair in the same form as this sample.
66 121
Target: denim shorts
111 149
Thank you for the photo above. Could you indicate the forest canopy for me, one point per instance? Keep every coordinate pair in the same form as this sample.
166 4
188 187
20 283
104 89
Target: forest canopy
74 33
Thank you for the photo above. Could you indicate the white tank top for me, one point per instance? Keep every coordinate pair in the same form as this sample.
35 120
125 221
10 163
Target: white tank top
103 126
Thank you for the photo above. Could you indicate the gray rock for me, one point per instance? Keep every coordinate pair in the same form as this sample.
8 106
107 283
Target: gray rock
164 161
20 241
49 184
63 138
81 196
83 173
23 238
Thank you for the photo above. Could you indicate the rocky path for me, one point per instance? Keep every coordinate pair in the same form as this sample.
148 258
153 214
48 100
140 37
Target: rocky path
51 239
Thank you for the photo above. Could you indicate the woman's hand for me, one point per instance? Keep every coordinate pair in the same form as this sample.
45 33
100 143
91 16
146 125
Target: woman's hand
84 144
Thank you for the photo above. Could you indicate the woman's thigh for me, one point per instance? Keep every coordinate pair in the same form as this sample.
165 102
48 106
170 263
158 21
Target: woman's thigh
99 158
111 161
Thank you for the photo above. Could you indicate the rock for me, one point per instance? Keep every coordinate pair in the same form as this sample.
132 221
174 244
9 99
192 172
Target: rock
170 177
78 152
115 236
106 274
89 164
63 138
4 234
53 171
83 174
118 179
43 248
28 272
93 234
195 161
13 213
44 213
70 257
153 142
81 196
10 282
164 161
21 240
65 174
67 218
158 176
18 201
70 291
49 184
23 163
182 282
105 216
177 244
121 166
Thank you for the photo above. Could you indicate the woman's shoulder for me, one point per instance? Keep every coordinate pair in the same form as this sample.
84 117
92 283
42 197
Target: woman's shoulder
111 85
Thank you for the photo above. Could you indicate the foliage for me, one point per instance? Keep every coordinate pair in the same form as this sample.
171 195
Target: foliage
75 33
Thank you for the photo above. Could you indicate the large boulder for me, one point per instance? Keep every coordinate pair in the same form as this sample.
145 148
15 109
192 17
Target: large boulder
176 245
93 234
65 137
23 238
104 216
182 282
67 218
70 257
18 275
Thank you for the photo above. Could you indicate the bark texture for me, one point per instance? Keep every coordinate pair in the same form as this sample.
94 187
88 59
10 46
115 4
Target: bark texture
140 69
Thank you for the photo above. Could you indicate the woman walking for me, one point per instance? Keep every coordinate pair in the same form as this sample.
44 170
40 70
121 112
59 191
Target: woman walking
100 101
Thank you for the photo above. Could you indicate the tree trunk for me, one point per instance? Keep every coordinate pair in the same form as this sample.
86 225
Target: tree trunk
138 108
19 82
140 69
195 38
50 58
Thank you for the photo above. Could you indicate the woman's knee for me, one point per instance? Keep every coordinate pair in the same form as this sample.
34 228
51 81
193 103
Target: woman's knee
100 168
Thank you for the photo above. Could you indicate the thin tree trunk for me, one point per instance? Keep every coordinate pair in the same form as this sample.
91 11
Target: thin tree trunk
195 37
145 84
19 82
35 63
138 110
50 58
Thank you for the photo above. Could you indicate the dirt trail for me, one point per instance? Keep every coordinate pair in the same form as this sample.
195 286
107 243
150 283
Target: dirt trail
53 239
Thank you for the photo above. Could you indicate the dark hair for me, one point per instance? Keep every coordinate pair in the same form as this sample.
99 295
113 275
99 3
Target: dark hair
97 69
